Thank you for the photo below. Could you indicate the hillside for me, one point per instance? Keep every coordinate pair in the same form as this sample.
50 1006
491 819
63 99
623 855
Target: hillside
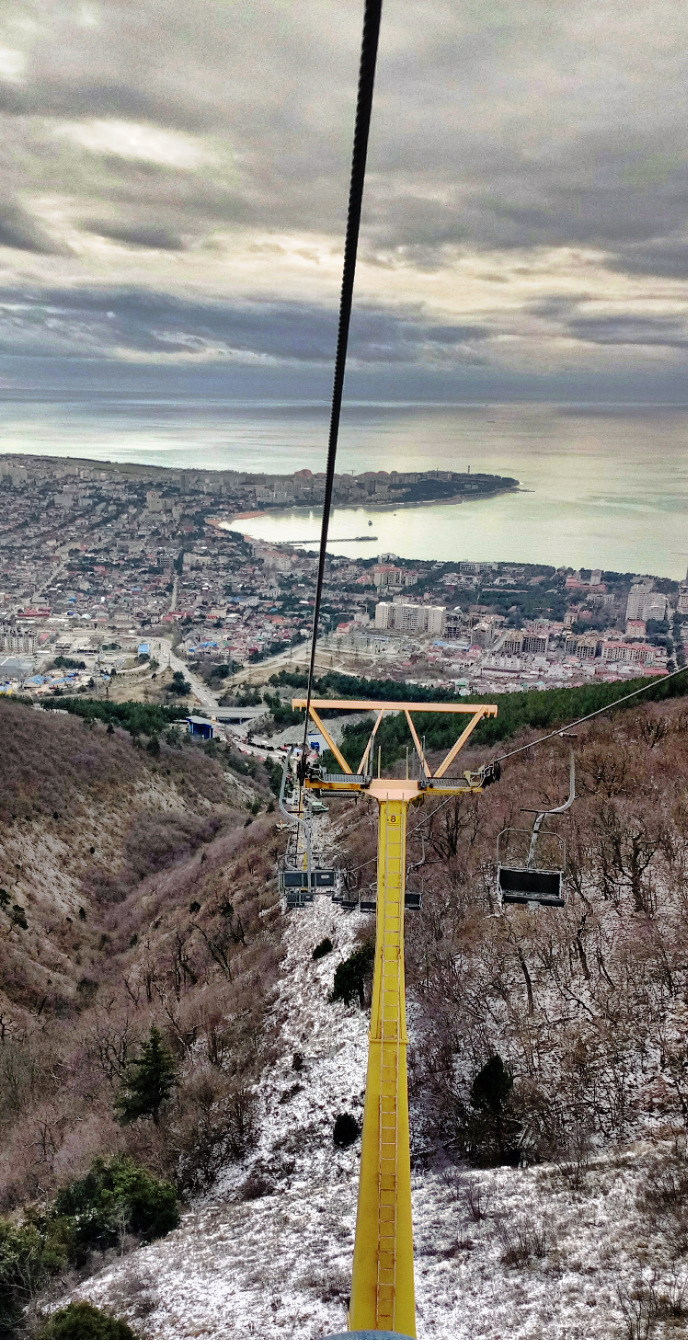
557 1213
136 889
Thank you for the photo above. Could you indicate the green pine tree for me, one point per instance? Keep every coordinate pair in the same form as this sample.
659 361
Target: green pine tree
149 1082
492 1086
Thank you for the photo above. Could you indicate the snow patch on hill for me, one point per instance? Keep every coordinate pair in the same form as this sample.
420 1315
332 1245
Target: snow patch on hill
502 1253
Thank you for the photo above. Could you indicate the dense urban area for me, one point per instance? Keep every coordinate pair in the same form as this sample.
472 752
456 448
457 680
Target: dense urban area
143 573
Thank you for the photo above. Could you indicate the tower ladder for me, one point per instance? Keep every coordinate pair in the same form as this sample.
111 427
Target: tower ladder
390 1039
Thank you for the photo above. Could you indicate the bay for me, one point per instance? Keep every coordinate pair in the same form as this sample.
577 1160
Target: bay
604 486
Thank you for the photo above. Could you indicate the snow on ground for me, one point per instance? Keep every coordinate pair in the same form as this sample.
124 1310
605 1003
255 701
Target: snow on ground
502 1253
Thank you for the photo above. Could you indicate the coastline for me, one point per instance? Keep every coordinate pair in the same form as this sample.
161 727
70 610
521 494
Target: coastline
305 508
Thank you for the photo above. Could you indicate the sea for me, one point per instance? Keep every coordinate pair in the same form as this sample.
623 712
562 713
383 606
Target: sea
600 485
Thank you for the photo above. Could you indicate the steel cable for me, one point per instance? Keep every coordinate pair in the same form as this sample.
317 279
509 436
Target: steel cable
598 712
560 730
364 105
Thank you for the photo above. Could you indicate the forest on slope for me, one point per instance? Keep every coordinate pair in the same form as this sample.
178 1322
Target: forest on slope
585 1005
551 1044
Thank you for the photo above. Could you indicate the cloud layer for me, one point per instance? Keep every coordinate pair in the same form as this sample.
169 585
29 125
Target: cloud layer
173 186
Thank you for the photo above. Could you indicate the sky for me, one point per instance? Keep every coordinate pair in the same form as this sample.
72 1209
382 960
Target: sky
174 178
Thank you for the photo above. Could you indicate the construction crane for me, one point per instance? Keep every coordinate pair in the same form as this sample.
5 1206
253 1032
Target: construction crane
382 1288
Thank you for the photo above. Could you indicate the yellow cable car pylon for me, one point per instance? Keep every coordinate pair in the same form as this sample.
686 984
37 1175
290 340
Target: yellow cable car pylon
382 1287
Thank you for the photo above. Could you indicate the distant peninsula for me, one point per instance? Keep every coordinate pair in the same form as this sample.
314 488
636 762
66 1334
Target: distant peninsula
377 488
243 493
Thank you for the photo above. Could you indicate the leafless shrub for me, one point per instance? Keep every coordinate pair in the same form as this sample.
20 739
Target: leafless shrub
650 1300
672 1303
476 1200
256 1186
133 1292
331 1285
524 1238
573 1153
637 1308
215 1125
664 1194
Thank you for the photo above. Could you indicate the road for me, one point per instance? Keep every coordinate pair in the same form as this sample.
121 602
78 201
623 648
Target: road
162 649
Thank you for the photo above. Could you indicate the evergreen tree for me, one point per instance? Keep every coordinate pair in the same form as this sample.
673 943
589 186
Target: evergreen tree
492 1131
149 1082
83 1321
492 1086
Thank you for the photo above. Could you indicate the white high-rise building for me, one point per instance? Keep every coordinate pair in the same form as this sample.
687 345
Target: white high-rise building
654 606
437 619
644 603
408 618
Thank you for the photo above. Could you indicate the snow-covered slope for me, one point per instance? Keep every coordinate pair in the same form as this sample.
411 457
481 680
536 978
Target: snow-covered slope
504 1253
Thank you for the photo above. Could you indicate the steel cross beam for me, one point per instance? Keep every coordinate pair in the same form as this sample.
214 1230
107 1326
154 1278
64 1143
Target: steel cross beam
476 711
382 1288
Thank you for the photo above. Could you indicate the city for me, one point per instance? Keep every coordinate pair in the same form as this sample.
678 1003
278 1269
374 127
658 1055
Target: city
98 560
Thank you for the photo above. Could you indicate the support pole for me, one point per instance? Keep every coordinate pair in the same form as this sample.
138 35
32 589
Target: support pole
382 1289
382 1292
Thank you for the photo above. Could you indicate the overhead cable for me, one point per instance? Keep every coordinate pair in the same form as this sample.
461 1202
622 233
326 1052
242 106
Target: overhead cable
560 730
607 708
364 105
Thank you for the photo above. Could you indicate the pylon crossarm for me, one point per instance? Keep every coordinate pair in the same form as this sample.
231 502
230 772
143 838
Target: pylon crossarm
480 713
359 781
337 753
362 705
366 751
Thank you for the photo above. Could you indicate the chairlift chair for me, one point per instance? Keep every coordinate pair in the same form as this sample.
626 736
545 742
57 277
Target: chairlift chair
306 884
300 882
298 898
534 884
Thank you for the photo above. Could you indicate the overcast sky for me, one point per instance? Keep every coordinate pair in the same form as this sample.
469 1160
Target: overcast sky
173 185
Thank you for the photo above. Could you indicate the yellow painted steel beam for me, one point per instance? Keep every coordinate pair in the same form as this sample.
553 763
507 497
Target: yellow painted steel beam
476 710
323 730
362 705
459 744
382 1290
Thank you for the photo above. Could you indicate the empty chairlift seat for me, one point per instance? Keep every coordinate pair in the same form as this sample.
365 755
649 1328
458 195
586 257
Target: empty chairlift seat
293 879
531 865
298 898
325 879
530 868
295 884
524 885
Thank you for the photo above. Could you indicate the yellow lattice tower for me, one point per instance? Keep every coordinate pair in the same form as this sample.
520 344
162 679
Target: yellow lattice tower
382 1288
